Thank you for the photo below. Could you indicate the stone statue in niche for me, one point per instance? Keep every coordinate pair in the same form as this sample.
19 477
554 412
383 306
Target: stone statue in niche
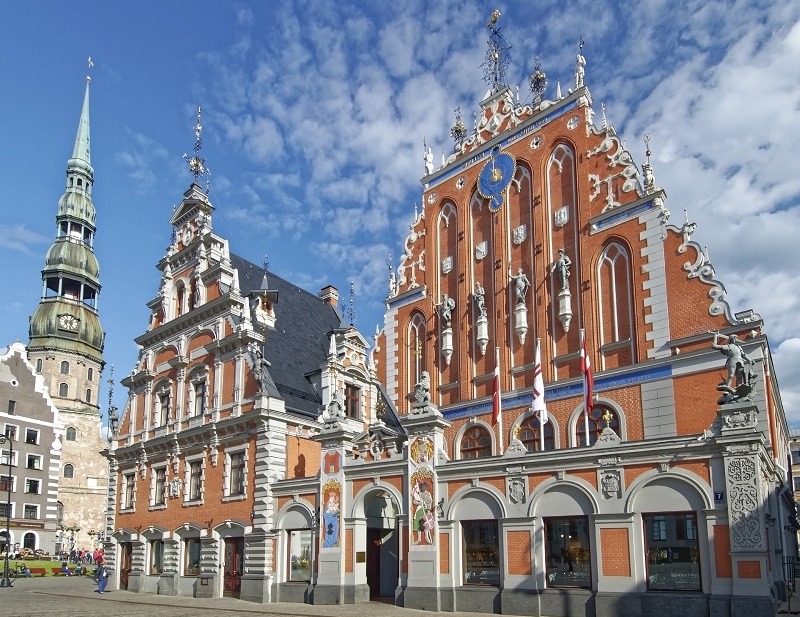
521 284
561 268
446 312
480 299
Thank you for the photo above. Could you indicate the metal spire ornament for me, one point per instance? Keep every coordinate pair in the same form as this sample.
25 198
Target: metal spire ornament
351 310
197 164
495 67
459 131
538 81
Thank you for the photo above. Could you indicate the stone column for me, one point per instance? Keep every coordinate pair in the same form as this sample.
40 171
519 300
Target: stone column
425 426
743 450
335 582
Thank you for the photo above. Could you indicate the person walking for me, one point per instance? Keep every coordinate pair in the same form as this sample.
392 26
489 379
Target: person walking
102 576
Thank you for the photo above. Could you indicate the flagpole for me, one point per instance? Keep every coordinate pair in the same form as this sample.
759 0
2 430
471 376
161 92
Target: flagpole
539 368
499 398
587 386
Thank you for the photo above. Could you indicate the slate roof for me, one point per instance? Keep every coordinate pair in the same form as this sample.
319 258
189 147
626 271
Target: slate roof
300 341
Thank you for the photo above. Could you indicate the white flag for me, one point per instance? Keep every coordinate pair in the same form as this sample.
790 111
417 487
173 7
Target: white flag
538 405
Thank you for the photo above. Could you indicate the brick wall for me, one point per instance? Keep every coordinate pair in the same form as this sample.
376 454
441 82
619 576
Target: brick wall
615 552
518 551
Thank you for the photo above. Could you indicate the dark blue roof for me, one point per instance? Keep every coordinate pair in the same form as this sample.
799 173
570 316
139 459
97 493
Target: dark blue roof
300 341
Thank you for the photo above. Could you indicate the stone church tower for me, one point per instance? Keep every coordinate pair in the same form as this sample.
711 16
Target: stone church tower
66 347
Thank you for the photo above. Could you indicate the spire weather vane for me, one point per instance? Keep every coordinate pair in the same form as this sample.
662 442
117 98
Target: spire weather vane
197 163
91 64
495 67
351 310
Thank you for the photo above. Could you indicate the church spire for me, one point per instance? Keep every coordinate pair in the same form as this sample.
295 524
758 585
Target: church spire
81 150
66 318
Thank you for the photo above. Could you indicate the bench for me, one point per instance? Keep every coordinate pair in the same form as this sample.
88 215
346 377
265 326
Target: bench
38 571
58 572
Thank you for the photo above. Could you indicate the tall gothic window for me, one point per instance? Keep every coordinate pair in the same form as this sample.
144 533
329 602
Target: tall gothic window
476 443
416 349
615 302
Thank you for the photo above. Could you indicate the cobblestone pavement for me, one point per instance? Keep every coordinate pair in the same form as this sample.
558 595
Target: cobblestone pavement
77 597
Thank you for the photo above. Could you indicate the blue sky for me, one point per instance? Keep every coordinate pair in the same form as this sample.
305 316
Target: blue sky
314 115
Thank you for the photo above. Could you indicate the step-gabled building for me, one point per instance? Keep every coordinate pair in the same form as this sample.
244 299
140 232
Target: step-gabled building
268 454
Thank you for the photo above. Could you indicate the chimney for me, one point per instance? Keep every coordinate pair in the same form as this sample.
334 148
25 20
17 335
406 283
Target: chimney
330 295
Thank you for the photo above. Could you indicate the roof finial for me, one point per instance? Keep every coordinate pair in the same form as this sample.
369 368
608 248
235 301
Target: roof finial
392 279
458 131
647 168
603 109
538 81
197 164
91 64
351 310
498 58
580 65
113 416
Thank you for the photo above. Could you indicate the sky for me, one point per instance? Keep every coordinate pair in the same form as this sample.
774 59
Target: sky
314 117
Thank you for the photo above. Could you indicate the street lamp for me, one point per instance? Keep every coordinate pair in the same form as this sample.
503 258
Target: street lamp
91 536
6 582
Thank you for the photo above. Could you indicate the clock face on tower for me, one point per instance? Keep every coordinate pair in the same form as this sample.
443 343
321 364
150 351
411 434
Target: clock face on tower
68 322
495 177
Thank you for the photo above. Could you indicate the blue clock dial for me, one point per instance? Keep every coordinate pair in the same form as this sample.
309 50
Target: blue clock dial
495 176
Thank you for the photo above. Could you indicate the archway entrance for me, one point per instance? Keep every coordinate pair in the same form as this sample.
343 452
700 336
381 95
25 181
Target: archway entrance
383 546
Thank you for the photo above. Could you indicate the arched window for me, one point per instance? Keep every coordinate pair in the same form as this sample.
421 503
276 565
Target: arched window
600 417
90 375
416 349
193 295
63 390
29 541
72 434
529 434
180 298
39 365
69 471
476 443
88 395
615 301
65 367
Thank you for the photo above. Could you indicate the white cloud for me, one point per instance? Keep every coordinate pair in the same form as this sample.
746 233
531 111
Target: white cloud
17 237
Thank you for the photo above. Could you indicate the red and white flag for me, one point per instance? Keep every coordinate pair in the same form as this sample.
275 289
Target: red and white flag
496 389
538 407
588 383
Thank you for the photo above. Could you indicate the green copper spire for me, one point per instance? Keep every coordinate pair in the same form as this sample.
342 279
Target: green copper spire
67 319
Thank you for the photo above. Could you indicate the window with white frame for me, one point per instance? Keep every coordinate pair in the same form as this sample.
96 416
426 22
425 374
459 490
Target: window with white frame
6 510
163 400
32 436
69 471
156 556
236 473
160 486
32 486
30 511
6 459
63 390
191 552
34 461
199 392
128 487
64 367
195 481
10 431
7 483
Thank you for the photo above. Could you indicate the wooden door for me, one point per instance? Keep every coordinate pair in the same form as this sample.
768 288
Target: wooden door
126 554
233 567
